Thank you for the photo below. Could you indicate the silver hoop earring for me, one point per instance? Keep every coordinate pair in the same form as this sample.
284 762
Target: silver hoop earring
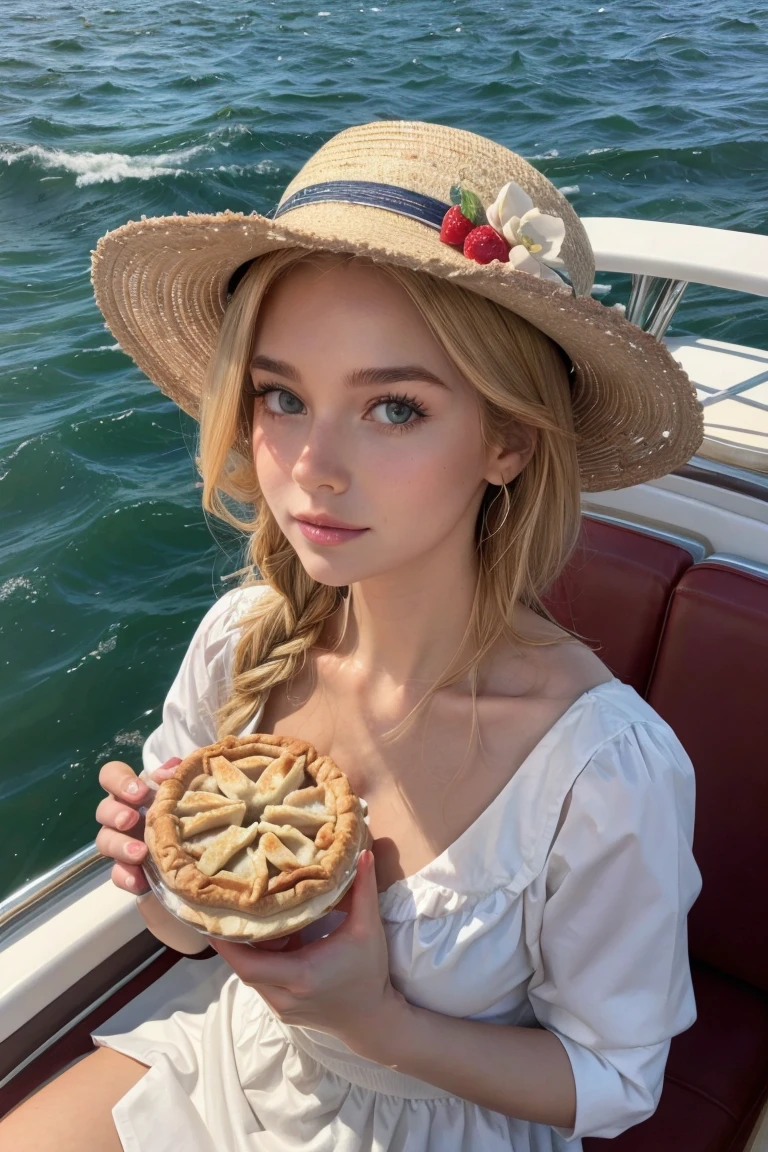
508 500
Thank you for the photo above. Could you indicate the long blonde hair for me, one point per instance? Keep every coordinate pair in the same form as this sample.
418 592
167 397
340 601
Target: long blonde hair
525 530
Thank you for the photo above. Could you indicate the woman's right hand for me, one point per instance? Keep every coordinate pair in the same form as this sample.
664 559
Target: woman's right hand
122 831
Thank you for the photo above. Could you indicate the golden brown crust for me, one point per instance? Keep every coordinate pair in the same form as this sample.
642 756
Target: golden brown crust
229 894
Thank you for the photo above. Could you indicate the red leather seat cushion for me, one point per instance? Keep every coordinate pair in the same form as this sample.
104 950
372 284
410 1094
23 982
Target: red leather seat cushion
715 1076
711 684
615 590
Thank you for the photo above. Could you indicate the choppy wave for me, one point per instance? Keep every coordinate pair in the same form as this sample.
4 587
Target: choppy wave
103 167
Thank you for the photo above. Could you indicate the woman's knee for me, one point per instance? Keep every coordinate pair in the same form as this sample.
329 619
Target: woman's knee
73 1112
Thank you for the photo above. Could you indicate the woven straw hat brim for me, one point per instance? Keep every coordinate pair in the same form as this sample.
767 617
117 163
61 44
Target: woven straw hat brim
161 284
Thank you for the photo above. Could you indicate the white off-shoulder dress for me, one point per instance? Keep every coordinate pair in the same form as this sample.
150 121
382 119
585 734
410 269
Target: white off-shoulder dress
581 931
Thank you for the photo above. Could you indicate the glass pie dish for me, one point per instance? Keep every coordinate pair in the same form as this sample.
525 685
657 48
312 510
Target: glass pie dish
254 837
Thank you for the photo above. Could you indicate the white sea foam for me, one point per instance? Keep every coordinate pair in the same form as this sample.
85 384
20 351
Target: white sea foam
238 169
101 167
5 460
134 739
100 650
16 584
569 190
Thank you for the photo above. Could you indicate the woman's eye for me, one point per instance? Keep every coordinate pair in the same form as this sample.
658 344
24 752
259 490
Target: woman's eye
395 412
399 412
281 403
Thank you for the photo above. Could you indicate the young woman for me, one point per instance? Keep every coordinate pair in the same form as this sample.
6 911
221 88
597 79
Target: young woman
403 400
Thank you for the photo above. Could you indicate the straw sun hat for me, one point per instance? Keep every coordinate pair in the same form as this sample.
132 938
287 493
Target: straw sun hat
382 190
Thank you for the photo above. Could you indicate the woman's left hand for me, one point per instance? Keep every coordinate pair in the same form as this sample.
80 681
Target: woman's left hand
338 984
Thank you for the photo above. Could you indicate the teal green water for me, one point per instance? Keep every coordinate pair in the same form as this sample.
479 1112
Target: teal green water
106 561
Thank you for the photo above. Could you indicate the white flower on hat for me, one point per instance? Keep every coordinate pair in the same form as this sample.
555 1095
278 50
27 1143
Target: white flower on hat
535 237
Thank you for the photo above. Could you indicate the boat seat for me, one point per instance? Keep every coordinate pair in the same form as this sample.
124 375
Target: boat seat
614 593
709 682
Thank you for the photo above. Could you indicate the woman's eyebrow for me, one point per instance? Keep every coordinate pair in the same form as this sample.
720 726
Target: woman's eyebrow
383 376
360 377
279 367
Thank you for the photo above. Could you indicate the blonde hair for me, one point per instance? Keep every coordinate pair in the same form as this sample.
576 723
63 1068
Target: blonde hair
525 530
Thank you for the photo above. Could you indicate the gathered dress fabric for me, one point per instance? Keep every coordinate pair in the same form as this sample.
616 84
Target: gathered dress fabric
577 925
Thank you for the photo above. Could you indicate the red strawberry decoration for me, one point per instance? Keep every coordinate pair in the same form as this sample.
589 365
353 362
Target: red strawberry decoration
465 225
455 226
485 244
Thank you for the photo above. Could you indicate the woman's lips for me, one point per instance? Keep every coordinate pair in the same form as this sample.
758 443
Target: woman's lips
321 535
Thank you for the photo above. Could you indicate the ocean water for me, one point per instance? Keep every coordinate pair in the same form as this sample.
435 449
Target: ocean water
641 109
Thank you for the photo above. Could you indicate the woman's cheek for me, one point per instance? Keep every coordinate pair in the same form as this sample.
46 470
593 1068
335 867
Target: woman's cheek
443 471
272 461
416 486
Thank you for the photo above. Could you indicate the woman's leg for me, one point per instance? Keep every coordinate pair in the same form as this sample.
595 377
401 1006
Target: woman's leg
73 1113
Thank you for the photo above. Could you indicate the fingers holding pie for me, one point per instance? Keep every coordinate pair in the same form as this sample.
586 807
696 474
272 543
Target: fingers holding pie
122 832
112 813
121 847
121 781
130 878
165 771
128 854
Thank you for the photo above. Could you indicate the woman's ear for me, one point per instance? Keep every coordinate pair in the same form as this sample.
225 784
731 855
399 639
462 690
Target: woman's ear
505 462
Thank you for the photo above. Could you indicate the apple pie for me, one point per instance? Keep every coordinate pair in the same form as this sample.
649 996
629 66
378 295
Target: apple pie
255 836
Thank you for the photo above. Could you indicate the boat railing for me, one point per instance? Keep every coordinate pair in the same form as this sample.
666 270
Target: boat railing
664 258
30 896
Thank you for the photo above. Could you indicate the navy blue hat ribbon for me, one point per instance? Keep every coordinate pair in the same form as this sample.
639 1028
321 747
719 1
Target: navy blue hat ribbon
426 209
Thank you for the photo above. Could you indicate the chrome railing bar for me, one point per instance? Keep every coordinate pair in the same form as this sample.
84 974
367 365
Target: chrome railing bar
733 428
736 389
665 307
752 567
36 890
653 302
696 548
750 403
727 476
705 387
638 297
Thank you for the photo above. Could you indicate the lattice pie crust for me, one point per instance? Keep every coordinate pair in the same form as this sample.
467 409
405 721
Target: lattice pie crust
256 835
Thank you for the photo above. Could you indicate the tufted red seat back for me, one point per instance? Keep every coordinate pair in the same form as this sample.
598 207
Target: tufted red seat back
693 639
614 594
710 684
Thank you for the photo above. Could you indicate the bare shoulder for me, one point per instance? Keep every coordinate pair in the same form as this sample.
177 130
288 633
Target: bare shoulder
552 666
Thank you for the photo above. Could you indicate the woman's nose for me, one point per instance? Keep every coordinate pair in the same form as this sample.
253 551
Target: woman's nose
322 461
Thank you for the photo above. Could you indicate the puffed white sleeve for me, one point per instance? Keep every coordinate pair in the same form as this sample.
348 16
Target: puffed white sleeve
200 685
612 978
